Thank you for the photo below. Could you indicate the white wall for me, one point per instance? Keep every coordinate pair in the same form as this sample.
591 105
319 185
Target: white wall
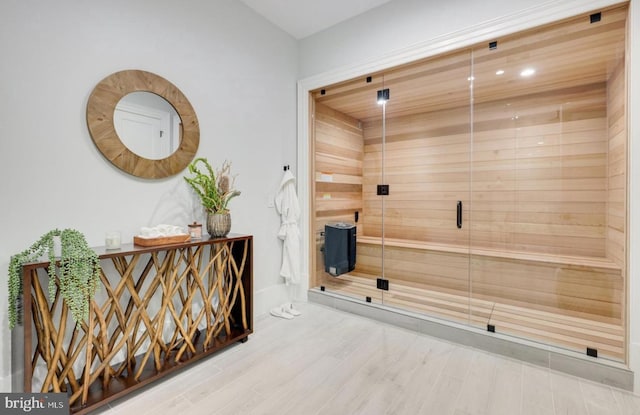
406 30
237 70
395 26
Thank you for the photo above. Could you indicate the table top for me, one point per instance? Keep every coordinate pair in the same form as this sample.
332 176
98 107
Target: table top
131 249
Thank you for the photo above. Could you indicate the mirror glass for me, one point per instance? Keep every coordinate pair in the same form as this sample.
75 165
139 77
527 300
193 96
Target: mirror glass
147 124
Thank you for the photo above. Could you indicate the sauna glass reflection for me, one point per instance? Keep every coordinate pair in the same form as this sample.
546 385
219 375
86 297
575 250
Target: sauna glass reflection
425 164
339 186
506 165
548 177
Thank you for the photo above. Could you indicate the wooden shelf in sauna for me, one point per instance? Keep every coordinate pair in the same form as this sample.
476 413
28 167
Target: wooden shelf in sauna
184 301
596 263
567 301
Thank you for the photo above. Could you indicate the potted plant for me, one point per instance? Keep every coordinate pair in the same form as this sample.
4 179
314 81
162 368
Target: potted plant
77 279
215 189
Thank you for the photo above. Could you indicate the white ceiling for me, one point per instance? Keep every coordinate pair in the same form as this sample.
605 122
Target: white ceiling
301 18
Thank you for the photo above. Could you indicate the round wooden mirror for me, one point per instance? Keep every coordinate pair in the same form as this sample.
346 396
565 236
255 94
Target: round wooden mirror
100 120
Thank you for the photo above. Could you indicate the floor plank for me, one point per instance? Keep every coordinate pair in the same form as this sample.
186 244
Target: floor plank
330 362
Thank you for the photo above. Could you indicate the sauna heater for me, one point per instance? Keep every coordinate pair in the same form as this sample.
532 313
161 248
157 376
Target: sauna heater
339 248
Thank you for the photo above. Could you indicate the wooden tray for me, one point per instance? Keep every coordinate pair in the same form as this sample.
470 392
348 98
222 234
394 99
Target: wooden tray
161 240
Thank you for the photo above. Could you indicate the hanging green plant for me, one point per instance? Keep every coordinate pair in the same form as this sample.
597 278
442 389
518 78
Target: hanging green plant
79 272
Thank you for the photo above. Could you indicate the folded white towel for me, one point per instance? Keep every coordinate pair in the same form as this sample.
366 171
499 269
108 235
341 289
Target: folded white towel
161 230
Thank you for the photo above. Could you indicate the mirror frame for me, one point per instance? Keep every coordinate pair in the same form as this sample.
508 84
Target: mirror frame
101 106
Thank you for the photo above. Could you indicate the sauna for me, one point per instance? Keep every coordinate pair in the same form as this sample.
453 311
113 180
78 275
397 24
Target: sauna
489 188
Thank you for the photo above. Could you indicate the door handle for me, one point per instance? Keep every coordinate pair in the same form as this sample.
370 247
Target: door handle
459 214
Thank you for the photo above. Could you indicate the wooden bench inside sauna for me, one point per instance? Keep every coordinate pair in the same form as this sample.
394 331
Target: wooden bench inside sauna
570 301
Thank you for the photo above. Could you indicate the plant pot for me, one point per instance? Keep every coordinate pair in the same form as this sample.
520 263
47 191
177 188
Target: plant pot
218 224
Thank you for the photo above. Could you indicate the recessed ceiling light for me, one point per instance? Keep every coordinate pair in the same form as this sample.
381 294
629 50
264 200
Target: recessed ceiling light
527 72
471 78
499 72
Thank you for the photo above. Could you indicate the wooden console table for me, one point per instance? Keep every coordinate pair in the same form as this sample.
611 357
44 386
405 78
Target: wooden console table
158 309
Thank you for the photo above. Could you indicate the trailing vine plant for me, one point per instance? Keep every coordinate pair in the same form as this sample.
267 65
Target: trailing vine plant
79 272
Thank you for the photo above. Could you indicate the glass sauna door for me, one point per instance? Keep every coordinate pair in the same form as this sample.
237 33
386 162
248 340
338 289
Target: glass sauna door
426 166
547 184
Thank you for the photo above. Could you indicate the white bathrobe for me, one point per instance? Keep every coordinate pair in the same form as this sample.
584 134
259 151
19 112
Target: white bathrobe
288 207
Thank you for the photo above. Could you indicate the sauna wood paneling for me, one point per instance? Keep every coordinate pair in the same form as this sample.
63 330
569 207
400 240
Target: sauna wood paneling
570 53
427 160
338 154
560 300
537 183
542 282
539 164
617 161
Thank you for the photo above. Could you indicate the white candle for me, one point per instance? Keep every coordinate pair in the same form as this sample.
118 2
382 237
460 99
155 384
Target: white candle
112 240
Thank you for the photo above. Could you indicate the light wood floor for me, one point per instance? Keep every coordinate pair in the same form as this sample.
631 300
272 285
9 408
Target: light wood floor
330 362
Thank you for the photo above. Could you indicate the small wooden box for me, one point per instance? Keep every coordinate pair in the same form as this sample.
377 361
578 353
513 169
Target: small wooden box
161 240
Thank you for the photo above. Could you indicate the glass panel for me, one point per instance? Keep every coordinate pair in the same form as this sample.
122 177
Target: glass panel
341 189
370 261
427 169
546 104
493 180
526 138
